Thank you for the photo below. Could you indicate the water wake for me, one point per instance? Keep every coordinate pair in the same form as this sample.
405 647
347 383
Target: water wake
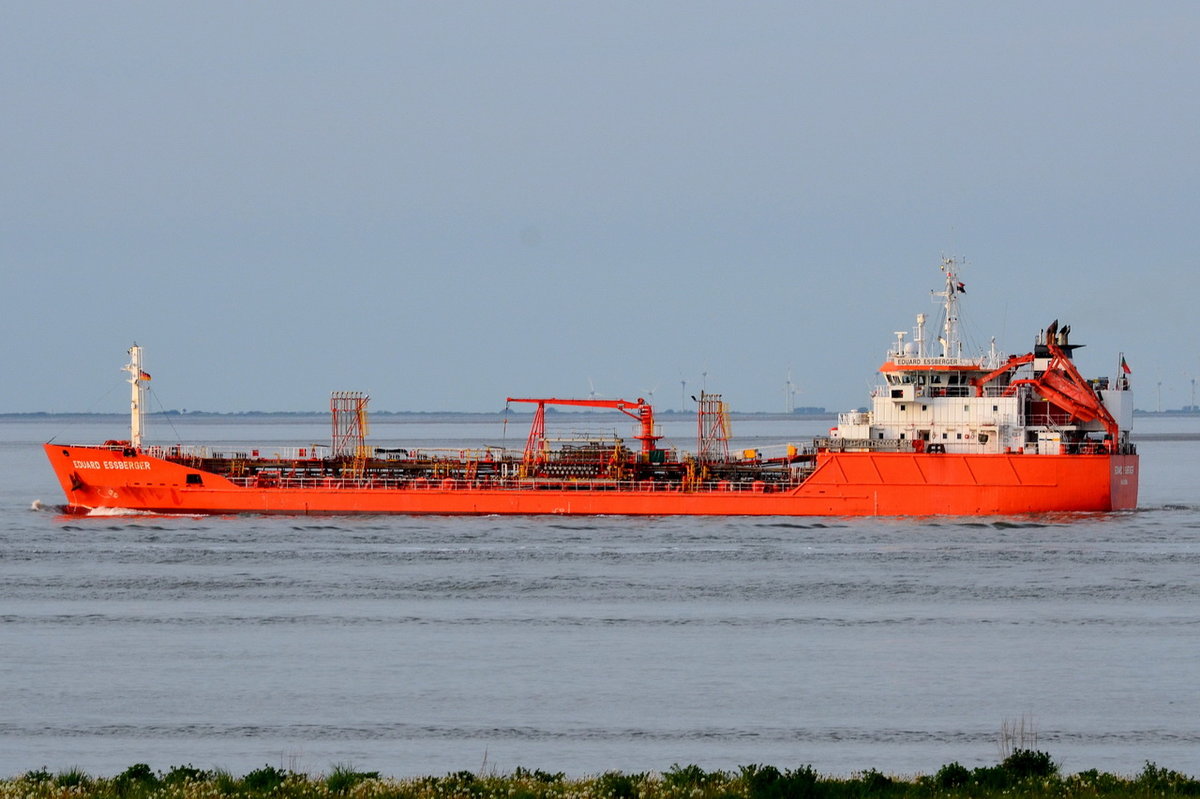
108 512
125 513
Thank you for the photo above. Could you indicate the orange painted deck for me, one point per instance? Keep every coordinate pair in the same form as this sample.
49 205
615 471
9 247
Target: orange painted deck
843 484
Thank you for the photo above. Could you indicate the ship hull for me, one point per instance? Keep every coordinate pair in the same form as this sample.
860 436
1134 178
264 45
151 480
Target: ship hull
843 484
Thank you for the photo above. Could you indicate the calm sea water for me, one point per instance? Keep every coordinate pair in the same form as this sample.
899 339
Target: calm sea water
426 645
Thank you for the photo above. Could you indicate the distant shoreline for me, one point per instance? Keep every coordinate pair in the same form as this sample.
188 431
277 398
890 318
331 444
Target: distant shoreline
476 417
422 416
468 415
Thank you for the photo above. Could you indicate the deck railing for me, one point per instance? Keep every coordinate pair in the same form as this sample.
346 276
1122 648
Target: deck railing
269 480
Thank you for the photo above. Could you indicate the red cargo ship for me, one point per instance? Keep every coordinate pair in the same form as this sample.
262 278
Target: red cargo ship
946 435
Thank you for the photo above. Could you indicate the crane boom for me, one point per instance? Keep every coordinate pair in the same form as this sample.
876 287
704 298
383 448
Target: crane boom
639 410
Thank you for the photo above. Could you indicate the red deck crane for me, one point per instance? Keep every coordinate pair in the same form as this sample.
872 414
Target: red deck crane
1062 385
639 410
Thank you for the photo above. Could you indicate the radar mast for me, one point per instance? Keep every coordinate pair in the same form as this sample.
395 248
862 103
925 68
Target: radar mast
950 339
137 394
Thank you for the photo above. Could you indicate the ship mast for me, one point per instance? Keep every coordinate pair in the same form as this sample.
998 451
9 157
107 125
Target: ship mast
137 393
951 344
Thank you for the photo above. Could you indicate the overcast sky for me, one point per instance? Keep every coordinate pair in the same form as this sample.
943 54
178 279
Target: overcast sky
446 203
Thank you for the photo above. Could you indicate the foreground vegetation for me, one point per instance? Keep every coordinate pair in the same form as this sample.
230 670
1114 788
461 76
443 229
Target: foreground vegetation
1024 773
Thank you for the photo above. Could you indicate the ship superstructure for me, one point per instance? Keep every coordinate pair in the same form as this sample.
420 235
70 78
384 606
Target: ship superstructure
936 400
947 433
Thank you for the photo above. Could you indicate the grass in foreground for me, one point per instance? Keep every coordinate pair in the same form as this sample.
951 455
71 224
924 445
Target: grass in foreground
1025 773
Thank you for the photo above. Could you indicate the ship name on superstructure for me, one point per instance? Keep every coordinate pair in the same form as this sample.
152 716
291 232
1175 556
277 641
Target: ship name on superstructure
935 362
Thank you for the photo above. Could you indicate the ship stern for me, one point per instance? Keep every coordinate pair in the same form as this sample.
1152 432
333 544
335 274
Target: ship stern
1123 481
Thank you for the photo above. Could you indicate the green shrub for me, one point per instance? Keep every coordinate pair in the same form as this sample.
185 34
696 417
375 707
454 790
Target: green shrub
537 775
1097 782
138 778
691 776
952 775
616 785
1164 781
38 777
264 780
762 782
991 778
875 782
768 782
180 775
1025 763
